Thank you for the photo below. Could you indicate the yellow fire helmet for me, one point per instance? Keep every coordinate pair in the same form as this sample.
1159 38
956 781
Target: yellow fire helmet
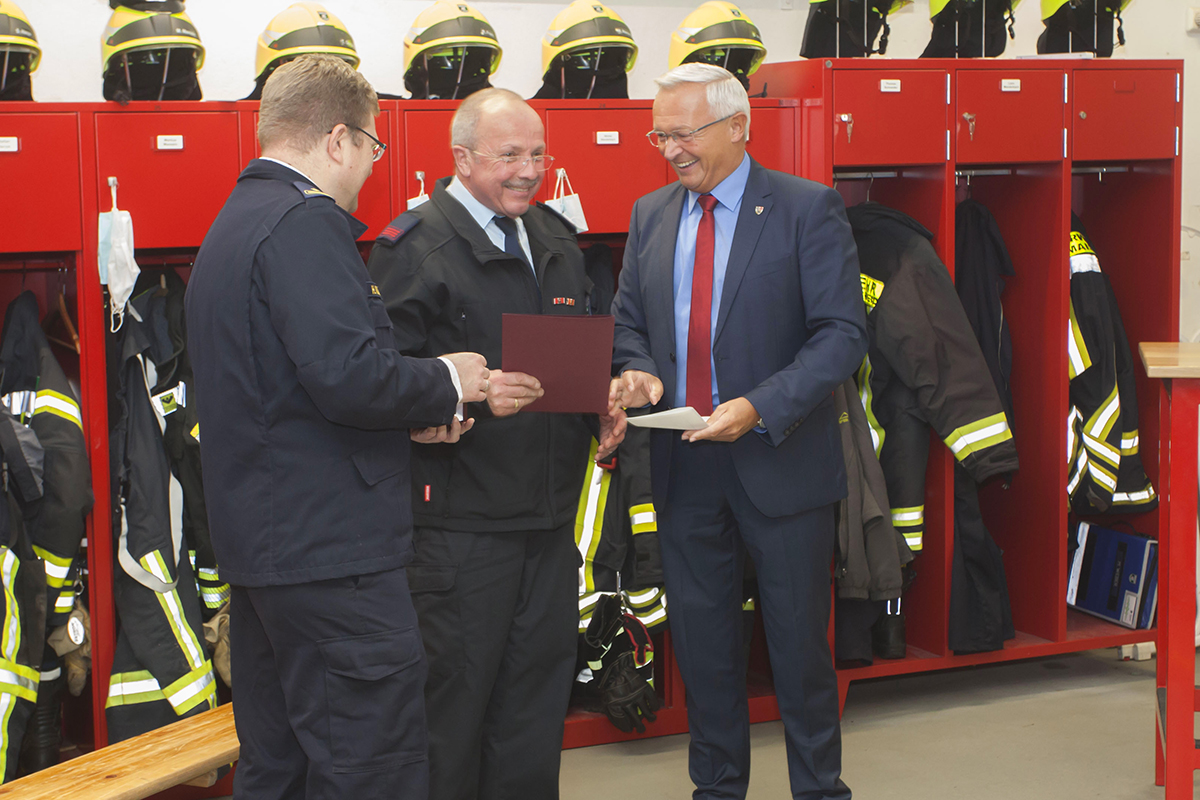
712 33
129 29
936 6
447 24
585 24
1051 6
17 34
303 28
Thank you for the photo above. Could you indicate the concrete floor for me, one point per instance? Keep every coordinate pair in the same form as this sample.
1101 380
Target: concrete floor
1068 727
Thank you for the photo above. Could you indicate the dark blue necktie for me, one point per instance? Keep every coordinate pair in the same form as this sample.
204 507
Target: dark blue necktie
512 242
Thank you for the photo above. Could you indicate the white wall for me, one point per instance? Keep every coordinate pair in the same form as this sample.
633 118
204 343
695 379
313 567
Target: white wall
70 30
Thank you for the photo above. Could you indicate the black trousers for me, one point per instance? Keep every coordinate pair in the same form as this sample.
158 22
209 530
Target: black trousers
499 617
707 519
327 688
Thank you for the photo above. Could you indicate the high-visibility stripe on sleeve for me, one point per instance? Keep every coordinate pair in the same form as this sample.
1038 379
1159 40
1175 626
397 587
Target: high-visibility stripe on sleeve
1078 357
866 398
19 680
914 515
10 639
978 436
1084 262
58 569
184 635
1100 424
1134 498
643 519
130 688
1129 443
1103 451
216 597
59 404
197 687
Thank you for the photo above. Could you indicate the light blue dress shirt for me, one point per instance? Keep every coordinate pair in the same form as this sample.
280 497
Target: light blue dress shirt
487 220
725 214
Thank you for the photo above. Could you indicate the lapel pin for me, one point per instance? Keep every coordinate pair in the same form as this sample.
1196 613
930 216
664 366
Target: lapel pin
758 210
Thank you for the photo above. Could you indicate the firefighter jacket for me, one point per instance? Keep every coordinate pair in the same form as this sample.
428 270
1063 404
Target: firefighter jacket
981 263
24 585
446 286
924 367
616 530
870 551
160 669
304 403
35 388
1105 472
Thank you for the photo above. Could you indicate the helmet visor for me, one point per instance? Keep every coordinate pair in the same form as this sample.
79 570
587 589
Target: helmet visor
738 60
601 58
464 61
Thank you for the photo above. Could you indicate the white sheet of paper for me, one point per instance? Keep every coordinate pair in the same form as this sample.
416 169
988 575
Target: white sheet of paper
674 419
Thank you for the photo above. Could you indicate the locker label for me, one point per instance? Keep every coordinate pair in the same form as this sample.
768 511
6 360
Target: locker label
9 144
1010 84
889 85
173 142
608 137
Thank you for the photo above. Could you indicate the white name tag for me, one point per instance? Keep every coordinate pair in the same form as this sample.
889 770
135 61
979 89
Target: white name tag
889 85
1010 85
172 142
9 144
608 137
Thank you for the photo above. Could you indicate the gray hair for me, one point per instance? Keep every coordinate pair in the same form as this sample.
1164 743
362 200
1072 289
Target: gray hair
725 93
464 126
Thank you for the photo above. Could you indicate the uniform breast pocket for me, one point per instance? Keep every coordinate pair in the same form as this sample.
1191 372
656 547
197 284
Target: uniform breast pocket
384 337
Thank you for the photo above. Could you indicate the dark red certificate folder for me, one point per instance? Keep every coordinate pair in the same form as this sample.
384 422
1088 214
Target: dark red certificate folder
571 356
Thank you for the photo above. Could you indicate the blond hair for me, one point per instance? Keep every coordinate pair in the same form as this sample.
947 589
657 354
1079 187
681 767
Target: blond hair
304 99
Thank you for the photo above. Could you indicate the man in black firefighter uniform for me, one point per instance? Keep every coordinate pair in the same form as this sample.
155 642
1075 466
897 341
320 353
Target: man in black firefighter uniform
494 579
306 410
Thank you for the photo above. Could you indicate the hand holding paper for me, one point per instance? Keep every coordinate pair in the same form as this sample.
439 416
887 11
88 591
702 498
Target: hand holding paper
571 357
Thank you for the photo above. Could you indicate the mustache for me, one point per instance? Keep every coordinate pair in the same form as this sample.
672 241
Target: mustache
521 185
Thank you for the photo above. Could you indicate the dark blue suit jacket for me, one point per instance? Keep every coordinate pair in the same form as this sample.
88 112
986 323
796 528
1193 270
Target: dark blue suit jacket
790 328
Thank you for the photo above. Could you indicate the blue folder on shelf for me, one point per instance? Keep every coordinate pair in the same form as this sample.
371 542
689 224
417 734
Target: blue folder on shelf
1111 572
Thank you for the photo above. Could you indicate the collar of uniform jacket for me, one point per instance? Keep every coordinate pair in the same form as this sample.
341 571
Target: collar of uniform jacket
262 169
542 241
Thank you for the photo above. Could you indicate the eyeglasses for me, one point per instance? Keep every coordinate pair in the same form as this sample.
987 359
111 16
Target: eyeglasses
540 163
660 138
377 149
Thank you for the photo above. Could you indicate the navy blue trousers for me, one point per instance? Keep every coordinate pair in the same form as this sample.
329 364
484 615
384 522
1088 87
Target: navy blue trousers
328 690
707 519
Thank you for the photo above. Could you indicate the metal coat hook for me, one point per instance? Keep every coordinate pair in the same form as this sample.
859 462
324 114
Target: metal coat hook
112 185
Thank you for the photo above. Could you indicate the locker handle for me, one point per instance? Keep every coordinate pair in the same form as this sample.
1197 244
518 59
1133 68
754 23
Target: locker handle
970 118
849 120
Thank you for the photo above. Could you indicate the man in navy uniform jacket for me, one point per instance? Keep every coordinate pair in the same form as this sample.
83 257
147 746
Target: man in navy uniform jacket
306 411
740 297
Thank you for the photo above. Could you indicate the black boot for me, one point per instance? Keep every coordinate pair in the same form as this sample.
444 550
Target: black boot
887 634
39 749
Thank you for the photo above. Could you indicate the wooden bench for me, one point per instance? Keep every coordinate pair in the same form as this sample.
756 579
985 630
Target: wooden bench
188 751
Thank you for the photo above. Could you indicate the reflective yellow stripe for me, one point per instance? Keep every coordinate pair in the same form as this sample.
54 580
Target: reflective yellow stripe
197 687
866 398
978 436
10 640
643 519
914 540
1102 476
1078 357
589 519
184 635
59 404
1129 443
7 704
19 680
1103 450
1134 498
1100 424
130 688
908 517
57 568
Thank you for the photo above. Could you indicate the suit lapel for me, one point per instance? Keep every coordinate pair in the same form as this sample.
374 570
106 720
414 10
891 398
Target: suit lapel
660 280
752 217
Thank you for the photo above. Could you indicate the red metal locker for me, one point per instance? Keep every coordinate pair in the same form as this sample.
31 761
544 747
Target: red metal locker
890 117
175 170
1010 116
773 138
1125 114
608 159
426 149
39 159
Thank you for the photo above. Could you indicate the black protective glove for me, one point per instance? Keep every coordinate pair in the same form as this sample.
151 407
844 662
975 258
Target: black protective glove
618 650
625 695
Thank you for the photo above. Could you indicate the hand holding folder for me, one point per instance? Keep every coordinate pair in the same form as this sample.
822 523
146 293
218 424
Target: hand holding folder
570 355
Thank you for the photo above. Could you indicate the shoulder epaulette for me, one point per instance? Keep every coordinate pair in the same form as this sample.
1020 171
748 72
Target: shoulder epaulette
570 225
397 228
308 190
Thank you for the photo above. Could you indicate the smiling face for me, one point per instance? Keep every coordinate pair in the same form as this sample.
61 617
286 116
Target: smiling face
714 153
509 128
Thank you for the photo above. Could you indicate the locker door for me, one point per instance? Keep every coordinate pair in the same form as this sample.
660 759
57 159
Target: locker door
39 162
608 159
1122 114
773 138
426 149
1009 116
890 117
175 170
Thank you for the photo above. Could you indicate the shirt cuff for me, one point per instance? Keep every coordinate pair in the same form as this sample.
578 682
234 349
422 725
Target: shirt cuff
458 409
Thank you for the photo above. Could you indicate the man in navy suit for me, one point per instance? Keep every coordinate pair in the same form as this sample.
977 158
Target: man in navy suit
740 297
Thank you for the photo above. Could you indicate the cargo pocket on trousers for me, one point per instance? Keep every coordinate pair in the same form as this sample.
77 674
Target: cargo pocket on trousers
375 686
438 614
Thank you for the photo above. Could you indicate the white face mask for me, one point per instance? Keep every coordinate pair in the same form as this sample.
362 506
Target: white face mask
118 270
568 204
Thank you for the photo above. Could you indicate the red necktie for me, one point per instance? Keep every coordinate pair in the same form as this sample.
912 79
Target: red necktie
699 357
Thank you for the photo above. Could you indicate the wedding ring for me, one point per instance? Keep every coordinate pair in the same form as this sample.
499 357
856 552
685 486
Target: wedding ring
517 404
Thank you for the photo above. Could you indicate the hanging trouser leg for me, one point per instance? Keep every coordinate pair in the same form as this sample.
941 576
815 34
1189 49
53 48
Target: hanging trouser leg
24 621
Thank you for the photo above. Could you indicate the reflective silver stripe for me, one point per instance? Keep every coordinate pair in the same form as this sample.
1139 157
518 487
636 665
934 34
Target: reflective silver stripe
912 517
968 439
1084 262
1105 415
642 597
652 618
13 679
51 675
1103 449
191 690
55 571
64 602
645 517
46 400
12 623
1134 497
133 687
1099 476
